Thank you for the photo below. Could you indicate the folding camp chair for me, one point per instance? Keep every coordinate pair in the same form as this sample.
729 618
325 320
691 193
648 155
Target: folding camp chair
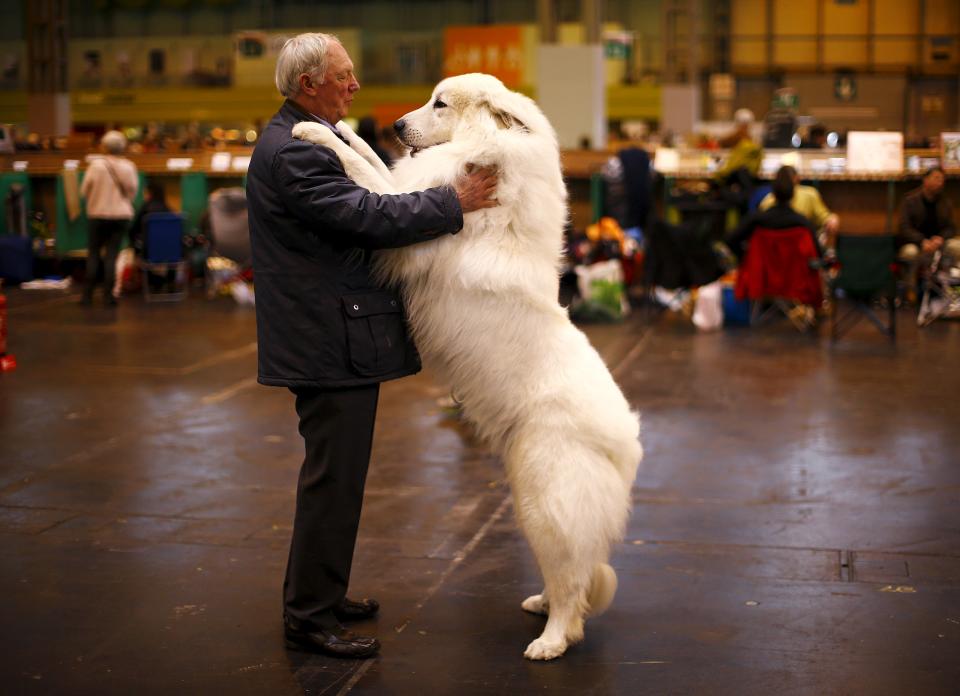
163 261
781 271
865 272
941 293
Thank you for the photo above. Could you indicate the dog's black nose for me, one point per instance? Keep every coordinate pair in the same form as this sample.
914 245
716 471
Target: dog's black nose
399 125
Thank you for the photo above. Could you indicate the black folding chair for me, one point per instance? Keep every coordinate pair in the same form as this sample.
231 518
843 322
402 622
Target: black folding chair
865 274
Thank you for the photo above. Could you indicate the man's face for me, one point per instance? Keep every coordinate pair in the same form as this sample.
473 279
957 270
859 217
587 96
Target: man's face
933 184
336 93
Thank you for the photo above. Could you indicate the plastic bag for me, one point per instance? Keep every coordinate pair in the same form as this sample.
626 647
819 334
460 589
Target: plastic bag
602 292
126 273
708 307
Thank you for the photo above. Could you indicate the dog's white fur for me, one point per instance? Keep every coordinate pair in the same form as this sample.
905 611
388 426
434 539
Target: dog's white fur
483 310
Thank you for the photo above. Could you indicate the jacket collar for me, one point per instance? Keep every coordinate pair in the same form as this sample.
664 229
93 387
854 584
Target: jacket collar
296 113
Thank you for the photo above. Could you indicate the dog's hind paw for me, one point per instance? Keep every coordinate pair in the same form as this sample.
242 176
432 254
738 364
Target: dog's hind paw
536 604
545 649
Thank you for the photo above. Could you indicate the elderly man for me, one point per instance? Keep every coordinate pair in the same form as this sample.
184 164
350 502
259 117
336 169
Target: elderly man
325 329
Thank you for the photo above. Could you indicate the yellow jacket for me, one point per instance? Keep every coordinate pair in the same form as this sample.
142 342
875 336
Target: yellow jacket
806 201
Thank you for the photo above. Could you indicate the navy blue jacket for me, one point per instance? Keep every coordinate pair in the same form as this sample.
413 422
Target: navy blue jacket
321 319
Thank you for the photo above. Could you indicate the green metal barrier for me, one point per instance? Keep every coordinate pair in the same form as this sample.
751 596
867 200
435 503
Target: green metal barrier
6 181
193 199
597 188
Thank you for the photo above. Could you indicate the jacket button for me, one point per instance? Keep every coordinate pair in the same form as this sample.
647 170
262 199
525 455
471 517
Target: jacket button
393 303
356 307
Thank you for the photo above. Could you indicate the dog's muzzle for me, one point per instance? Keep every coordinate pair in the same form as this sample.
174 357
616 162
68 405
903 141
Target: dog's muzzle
400 126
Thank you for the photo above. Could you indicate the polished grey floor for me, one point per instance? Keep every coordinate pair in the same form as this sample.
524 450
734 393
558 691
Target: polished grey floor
796 526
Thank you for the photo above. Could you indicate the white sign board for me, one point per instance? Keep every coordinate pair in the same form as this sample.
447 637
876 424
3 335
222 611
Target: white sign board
875 152
666 160
220 161
179 163
577 113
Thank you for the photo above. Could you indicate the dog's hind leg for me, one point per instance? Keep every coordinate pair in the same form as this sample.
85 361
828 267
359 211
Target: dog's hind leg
571 508
567 588
603 586
537 604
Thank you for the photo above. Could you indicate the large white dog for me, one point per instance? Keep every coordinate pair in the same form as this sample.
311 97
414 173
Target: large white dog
483 310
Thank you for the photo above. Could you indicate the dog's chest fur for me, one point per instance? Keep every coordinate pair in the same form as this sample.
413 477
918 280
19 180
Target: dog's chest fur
475 298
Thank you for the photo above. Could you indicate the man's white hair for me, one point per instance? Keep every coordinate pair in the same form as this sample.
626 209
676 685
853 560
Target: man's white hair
114 142
305 53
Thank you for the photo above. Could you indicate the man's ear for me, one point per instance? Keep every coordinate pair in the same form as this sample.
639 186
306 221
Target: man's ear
308 85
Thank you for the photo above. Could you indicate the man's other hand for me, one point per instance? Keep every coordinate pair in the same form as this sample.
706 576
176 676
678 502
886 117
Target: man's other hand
475 189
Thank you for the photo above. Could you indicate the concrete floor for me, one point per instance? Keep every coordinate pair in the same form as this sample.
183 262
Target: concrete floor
796 527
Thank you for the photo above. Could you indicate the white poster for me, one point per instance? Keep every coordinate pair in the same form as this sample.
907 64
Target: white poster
875 152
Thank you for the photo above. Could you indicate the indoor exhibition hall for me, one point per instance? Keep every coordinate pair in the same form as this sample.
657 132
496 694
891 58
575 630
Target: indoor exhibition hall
480 347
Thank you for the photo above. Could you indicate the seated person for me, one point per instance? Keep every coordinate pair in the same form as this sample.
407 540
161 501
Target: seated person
154 201
807 201
926 223
780 216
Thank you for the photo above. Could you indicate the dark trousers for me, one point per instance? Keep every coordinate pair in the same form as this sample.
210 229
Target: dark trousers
337 429
103 234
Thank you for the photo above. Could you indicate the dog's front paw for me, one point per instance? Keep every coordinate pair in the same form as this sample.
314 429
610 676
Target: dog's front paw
312 132
536 604
545 649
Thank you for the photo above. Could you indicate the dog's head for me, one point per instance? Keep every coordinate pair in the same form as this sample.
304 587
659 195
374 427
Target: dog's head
475 101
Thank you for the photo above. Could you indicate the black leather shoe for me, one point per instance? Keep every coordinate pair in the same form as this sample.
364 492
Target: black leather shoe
336 642
349 610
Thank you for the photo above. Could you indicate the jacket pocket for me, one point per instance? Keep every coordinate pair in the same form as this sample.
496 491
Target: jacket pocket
376 332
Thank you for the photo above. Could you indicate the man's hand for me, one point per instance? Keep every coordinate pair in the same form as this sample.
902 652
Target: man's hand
932 244
475 189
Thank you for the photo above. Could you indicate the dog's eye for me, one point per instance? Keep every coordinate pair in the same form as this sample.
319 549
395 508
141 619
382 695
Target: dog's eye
439 105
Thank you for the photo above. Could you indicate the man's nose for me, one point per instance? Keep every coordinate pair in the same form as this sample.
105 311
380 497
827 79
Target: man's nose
399 125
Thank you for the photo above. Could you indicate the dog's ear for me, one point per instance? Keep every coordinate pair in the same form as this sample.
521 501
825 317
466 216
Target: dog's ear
506 120
505 111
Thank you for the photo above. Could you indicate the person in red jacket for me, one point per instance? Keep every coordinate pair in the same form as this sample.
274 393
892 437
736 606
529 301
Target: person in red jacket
780 267
780 216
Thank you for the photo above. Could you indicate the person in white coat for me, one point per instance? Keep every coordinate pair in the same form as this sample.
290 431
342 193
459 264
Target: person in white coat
109 187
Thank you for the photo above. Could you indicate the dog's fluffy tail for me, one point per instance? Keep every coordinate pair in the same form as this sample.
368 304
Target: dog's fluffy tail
603 587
